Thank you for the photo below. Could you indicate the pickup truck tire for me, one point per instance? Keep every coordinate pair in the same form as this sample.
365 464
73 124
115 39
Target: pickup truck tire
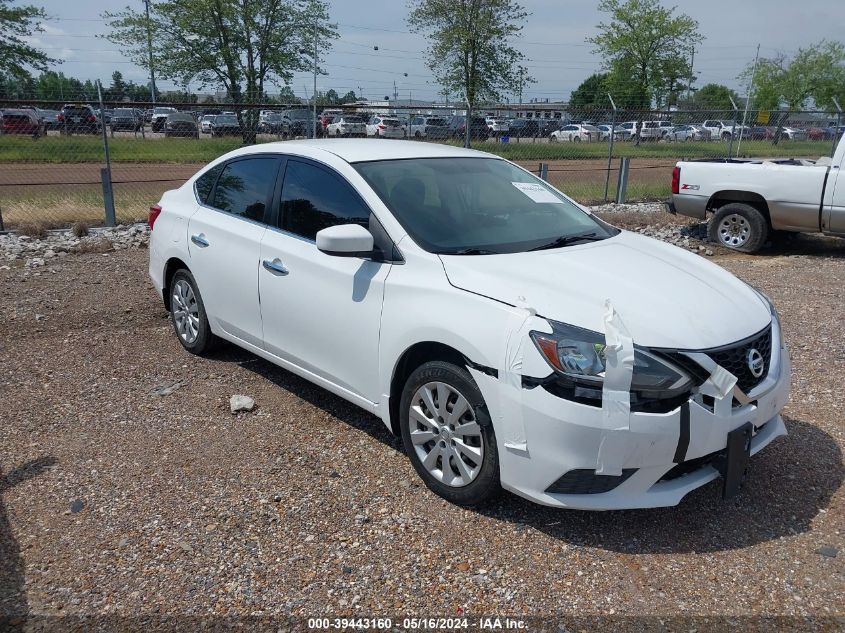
739 227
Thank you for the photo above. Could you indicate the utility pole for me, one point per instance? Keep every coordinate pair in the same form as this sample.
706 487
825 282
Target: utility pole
748 98
150 52
521 70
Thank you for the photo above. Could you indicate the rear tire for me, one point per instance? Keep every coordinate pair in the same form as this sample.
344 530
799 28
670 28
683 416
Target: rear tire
739 227
464 478
187 311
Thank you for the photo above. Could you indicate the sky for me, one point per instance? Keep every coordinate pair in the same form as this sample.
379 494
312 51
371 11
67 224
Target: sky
553 40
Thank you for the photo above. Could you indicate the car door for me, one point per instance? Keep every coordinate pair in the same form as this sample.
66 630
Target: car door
834 214
225 241
321 313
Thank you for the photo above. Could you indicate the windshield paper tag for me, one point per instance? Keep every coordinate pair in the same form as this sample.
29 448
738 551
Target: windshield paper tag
538 193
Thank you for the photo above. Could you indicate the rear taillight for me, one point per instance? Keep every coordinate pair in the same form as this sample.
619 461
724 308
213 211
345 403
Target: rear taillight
676 180
155 211
381 126
92 119
60 117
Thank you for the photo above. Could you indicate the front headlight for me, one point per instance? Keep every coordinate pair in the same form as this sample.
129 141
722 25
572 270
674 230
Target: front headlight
579 355
775 318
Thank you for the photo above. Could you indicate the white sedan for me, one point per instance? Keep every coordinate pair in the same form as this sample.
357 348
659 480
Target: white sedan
511 338
576 133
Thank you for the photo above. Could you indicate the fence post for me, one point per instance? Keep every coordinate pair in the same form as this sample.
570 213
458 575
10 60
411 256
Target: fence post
836 134
2 228
105 173
622 182
610 150
544 171
733 130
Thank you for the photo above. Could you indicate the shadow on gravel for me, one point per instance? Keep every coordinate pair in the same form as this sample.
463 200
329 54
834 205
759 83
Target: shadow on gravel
789 482
13 603
317 396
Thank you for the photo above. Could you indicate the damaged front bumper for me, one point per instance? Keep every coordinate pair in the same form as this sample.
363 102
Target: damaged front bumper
657 459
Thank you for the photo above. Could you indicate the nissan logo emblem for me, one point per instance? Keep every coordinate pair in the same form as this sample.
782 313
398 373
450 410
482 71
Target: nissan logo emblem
755 362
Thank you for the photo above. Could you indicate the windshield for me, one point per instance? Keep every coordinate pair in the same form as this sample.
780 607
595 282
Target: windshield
436 122
458 205
225 119
298 115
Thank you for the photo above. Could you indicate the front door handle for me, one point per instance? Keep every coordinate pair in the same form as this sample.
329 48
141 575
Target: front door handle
275 266
199 240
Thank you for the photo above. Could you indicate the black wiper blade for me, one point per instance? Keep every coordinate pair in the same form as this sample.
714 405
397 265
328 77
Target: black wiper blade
568 240
473 251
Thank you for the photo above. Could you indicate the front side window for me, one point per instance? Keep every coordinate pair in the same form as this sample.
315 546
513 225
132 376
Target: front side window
314 198
244 187
476 205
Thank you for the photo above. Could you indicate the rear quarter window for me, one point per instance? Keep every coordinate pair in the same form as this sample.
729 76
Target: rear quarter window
205 183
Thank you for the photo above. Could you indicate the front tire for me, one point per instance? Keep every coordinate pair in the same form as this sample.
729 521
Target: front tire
188 314
739 227
448 434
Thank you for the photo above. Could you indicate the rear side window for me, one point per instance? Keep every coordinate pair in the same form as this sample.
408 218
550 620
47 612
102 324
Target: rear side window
314 198
205 183
244 187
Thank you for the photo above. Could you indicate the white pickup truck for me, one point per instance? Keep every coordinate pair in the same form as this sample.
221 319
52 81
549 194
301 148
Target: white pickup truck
749 199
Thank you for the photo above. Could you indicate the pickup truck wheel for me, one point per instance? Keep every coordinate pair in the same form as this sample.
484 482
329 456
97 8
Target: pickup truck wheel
739 227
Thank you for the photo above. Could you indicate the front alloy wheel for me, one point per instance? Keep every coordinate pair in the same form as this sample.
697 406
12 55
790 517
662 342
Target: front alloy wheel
447 433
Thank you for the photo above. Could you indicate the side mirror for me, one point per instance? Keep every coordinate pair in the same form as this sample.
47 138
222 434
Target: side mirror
345 240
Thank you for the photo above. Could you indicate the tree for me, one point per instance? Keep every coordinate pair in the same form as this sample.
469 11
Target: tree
286 95
239 44
592 93
16 53
470 46
714 97
816 73
645 46
117 90
349 97
331 97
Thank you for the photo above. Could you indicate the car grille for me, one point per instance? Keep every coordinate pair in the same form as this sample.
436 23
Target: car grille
734 358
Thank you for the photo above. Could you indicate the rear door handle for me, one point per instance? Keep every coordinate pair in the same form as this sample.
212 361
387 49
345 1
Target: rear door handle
199 240
275 266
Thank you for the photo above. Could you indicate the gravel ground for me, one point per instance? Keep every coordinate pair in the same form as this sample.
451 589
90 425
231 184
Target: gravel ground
128 488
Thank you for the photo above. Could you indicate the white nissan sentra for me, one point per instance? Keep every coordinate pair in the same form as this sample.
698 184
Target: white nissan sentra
510 337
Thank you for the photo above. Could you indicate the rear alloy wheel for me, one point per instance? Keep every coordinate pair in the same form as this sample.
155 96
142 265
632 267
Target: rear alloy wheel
447 433
739 227
188 312
576 139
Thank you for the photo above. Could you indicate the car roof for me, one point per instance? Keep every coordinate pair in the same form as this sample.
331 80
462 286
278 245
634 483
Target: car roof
361 150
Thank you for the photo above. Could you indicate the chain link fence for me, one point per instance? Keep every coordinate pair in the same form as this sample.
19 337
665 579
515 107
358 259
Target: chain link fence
54 169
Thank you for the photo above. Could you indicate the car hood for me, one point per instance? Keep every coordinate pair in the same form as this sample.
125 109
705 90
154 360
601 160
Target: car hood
666 296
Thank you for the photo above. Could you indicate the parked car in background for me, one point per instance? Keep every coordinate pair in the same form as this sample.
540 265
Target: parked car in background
575 132
431 127
300 123
547 126
180 124
272 123
160 116
524 128
655 130
821 133
687 133
760 133
20 121
347 125
497 126
725 129
511 338
627 131
605 130
50 118
793 134
385 127
78 119
478 129
126 119
205 123
226 124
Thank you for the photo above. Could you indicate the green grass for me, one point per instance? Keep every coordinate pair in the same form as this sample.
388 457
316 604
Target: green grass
82 149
